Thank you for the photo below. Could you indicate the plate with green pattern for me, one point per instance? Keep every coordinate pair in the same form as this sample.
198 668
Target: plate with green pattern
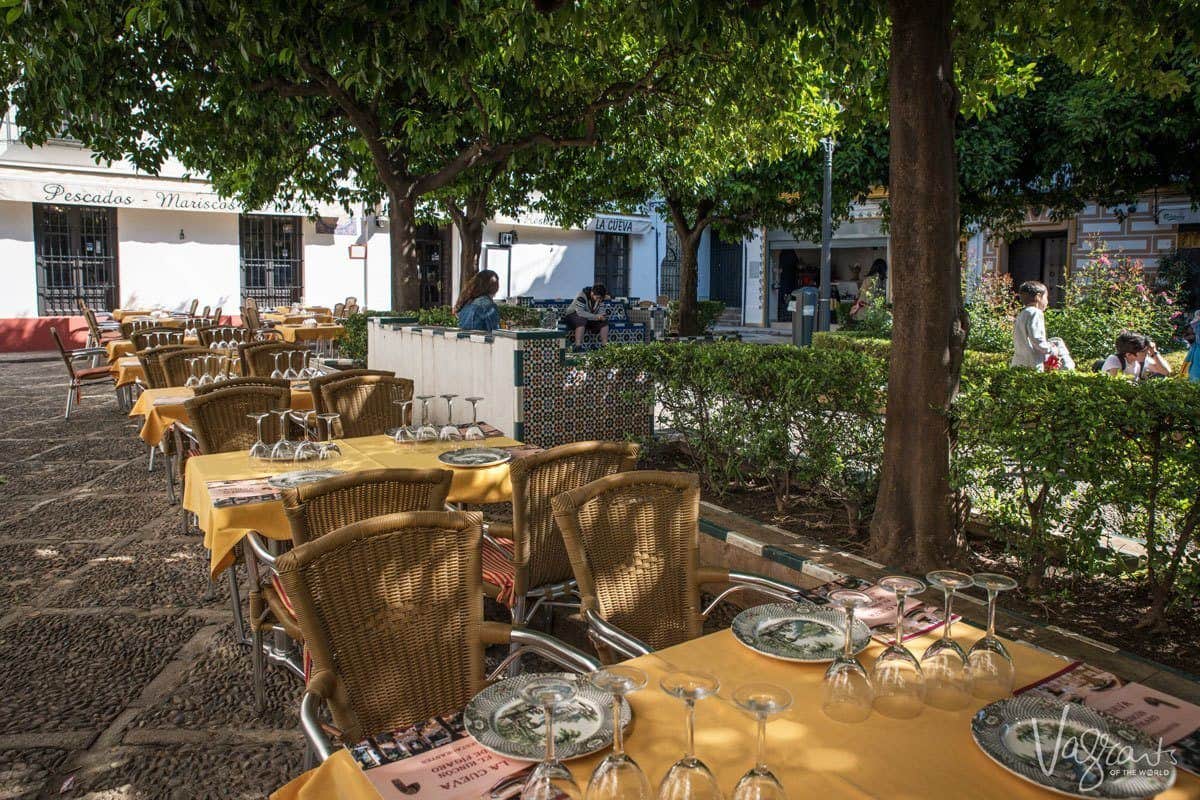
1071 749
475 457
500 720
800 632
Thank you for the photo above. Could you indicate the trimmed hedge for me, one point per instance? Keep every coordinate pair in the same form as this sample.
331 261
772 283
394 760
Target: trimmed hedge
1054 461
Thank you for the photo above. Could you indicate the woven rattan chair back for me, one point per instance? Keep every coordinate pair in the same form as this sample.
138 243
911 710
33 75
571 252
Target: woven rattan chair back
93 324
392 610
367 403
191 312
156 337
219 418
258 358
175 366
537 542
338 308
318 384
250 316
316 509
633 543
234 383
216 315
131 326
151 360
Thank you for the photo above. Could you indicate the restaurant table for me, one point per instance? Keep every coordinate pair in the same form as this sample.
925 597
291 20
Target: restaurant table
283 318
162 407
300 333
225 527
119 314
932 755
127 370
115 348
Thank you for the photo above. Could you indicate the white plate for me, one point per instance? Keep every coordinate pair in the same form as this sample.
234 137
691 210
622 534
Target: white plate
800 632
475 457
290 480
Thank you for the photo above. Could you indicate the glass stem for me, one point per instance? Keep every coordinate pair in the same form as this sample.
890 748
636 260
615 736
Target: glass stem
949 614
549 712
761 764
690 752
991 634
618 735
900 598
848 647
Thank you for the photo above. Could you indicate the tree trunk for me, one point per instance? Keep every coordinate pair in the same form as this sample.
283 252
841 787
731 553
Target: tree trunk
913 527
689 318
470 233
406 280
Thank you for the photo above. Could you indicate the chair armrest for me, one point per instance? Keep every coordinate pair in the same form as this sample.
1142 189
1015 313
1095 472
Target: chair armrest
749 581
87 352
546 646
626 644
259 548
313 731
487 537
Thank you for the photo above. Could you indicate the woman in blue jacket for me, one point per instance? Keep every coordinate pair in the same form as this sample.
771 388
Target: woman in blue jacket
476 309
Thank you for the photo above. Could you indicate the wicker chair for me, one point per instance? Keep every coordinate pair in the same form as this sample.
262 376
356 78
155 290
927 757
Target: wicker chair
367 403
191 312
258 358
314 510
530 552
392 611
80 377
317 384
99 335
131 326
633 541
338 309
234 383
224 333
175 368
216 315
155 337
151 359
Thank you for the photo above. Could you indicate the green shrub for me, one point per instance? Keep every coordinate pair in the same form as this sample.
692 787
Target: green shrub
520 316
353 344
991 309
975 364
877 320
437 317
707 313
1179 274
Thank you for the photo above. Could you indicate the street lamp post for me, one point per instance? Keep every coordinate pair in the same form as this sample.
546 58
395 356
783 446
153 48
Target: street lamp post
823 315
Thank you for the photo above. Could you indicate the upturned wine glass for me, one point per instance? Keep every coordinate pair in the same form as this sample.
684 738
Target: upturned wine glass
260 451
404 432
450 431
689 778
309 448
618 777
277 373
329 449
474 433
290 373
899 682
848 694
426 433
990 670
193 378
761 701
944 662
550 779
284 449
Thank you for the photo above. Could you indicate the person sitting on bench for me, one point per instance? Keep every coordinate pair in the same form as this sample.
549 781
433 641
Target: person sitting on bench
584 314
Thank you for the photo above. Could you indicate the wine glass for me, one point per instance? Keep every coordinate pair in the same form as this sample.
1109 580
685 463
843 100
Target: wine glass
193 378
899 682
618 777
848 694
550 779
474 433
330 449
260 451
403 433
290 373
990 671
761 701
284 449
308 448
944 662
449 431
689 778
277 373
426 433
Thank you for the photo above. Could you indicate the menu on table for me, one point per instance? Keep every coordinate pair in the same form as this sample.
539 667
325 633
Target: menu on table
437 758
880 616
241 492
1159 715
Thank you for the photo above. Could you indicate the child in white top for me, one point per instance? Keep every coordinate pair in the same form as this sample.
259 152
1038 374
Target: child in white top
1030 345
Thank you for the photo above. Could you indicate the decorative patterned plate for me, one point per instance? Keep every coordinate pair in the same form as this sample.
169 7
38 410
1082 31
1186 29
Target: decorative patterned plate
475 457
290 480
504 723
1071 749
798 631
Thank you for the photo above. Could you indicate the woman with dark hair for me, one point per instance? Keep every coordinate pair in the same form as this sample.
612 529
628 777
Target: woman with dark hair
1136 356
874 283
475 308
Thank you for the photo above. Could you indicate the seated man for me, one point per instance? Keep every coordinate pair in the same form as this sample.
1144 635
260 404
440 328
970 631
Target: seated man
584 314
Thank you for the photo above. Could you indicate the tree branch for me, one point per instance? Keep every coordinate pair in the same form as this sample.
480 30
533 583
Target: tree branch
286 88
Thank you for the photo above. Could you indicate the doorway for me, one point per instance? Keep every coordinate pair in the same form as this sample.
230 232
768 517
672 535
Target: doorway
612 262
1040 257
76 254
272 256
725 271
432 267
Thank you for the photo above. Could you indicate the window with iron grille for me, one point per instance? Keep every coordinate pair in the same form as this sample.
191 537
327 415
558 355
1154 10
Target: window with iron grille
76 254
612 262
272 256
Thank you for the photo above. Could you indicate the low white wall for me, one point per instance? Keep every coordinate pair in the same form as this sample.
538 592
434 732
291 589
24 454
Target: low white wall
17 261
440 363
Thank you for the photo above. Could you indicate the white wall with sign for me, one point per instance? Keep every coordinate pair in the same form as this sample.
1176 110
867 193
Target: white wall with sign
19 297
159 267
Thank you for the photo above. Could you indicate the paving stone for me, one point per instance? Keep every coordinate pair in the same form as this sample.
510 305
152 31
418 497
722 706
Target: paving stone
96 517
218 694
28 569
187 772
20 449
133 477
25 773
45 478
121 446
78 671
143 575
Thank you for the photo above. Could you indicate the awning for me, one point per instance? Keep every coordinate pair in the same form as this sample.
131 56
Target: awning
31 185
604 223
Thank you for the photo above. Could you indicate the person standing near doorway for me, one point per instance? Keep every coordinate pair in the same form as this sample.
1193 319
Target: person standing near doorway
1030 345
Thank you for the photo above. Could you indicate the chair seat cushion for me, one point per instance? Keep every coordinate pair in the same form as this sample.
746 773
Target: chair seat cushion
91 373
499 571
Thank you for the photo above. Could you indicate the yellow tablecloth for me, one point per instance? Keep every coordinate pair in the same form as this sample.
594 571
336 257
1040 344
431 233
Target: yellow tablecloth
124 347
120 314
160 414
299 333
225 527
127 370
320 317
303 309
932 755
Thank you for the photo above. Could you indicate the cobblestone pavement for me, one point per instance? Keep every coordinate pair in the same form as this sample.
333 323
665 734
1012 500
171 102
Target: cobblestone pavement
119 677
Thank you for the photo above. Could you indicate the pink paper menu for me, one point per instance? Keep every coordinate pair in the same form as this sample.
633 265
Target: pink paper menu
461 770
